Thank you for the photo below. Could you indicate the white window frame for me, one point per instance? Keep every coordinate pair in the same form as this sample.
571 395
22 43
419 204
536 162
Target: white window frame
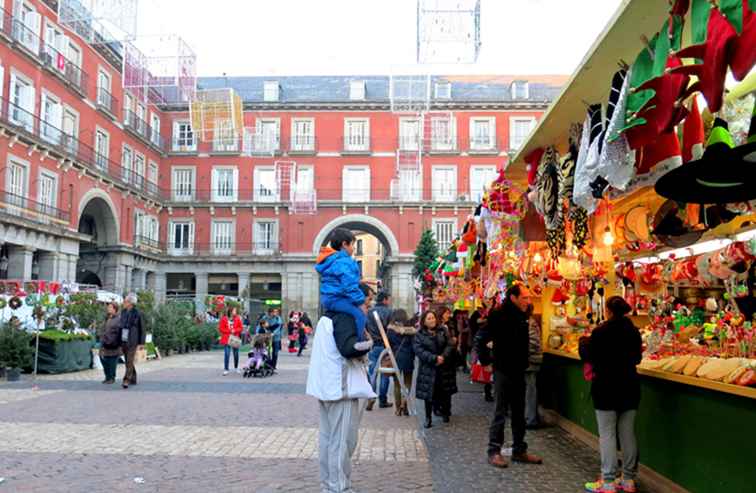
101 159
349 195
357 91
153 175
216 196
356 142
181 251
128 107
480 145
477 195
444 192
46 173
155 127
32 22
264 143
140 166
225 245
271 91
26 104
51 125
127 165
103 74
438 143
19 197
409 142
513 120
520 83
187 143
302 141
178 189
443 90
263 194
305 187
410 185
55 40
71 140
451 225
141 119
261 246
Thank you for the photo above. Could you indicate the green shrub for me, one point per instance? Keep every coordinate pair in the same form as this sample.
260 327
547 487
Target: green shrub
85 309
209 334
55 335
15 347
172 324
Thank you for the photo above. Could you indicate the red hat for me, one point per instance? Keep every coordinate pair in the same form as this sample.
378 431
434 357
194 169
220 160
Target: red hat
532 160
743 54
664 151
559 297
693 134
714 52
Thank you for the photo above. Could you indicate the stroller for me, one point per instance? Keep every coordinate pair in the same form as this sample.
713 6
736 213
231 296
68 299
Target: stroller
258 364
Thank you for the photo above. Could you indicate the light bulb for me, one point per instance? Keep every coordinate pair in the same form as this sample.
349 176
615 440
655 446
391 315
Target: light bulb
608 237
537 257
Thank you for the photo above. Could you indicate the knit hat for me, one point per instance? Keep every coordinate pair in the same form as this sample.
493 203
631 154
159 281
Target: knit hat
663 153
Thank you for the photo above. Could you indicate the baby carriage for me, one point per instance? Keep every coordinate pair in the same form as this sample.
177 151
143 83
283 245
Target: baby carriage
258 364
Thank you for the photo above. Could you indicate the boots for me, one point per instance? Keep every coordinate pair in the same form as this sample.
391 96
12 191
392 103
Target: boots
428 422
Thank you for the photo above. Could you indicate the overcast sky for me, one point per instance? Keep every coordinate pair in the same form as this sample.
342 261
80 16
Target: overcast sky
291 37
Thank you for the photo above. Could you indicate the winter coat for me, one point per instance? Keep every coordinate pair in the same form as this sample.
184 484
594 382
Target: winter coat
614 349
384 313
535 354
402 339
110 337
226 329
508 329
275 327
131 319
339 277
427 346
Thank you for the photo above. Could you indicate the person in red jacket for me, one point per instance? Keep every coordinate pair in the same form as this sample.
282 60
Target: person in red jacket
230 323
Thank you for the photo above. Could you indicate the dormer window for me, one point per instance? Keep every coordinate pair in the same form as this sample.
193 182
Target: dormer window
520 89
271 91
443 90
357 90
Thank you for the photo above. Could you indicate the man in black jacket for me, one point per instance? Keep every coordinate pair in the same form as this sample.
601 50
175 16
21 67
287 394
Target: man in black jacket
132 337
508 335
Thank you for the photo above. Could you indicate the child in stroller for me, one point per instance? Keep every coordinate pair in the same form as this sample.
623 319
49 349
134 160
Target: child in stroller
258 364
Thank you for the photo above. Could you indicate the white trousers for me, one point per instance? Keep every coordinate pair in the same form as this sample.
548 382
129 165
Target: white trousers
339 426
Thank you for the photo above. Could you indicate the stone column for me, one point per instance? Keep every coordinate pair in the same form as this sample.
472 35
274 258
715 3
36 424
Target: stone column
127 284
402 288
49 266
200 292
20 262
72 261
159 286
243 282
141 279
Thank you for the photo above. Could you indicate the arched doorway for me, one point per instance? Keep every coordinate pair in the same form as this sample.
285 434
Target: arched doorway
88 277
98 220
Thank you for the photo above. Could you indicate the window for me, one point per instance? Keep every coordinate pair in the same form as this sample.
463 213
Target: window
140 123
48 191
152 177
16 183
482 132
70 129
155 127
357 90
127 164
146 229
305 178
56 47
377 268
224 184
102 149
183 184
74 56
103 90
266 188
356 134
480 178
443 133
266 236
519 128
359 248
183 137
410 185
409 134
223 237
27 28
271 91
356 184
181 238
128 108
267 136
443 90
138 170
52 118
520 89
444 231
444 183
22 98
224 136
303 135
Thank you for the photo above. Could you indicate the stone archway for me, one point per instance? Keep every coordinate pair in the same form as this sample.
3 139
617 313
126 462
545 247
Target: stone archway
98 218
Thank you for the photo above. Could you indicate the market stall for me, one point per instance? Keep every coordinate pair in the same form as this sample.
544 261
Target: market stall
626 187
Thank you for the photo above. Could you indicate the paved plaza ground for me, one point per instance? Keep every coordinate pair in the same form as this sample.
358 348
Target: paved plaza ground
187 428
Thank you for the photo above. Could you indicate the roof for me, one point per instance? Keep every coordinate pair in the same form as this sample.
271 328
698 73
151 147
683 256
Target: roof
299 89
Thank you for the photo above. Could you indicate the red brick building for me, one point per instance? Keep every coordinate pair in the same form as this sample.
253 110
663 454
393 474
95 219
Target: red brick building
97 187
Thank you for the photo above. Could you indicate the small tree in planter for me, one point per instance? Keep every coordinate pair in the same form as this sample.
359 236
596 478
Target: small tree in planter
15 350
425 255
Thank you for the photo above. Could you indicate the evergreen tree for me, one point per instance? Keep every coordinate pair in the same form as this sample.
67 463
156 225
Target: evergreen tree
425 253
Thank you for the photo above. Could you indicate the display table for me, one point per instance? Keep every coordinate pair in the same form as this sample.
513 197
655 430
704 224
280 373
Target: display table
694 432
64 356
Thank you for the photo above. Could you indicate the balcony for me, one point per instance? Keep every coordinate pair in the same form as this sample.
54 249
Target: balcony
356 145
6 26
47 137
27 40
262 144
147 243
183 146
31 209
303 145
106 102
226 145
225 249
484 145
443 145
143 131
410 143
63 68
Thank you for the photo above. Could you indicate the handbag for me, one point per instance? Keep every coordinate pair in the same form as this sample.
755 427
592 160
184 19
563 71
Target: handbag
234 341
357 383
479 374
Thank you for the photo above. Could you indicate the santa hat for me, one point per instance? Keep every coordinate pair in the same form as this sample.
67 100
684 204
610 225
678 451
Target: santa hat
664 153
693 134
532 161
743 54
559 298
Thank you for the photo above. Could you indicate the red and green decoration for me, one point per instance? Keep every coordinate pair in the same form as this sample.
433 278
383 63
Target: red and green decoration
426 254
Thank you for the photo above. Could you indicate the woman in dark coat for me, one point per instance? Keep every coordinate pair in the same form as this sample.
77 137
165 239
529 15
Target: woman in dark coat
401 336
435 383
463 337
448 324
110 343
614 349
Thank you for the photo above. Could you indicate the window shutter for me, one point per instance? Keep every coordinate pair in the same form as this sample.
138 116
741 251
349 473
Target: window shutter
2 79
214 184
57 116
236 184
191 237
171 234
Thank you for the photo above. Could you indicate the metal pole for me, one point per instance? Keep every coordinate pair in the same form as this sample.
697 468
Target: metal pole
36 359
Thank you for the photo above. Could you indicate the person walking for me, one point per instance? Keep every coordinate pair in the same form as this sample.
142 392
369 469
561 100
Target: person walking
449 368
110 342
614 349
507 331
275 328
383 309
132 338
401 336
433 350
229 325
535 358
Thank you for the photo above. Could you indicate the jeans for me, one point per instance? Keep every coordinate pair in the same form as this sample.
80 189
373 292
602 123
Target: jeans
611 424
109 364
510 394
302 346
373 355
531 398
274 357
226 353
345 306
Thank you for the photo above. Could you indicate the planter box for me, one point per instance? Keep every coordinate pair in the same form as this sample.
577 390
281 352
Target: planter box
64 356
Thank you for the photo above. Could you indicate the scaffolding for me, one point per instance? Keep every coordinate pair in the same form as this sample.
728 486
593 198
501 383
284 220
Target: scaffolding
216 116
100 21
161 70
448 31
409 94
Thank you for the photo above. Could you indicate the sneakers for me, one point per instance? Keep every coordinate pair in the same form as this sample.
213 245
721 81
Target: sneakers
628 486
238 370
225 372
601 487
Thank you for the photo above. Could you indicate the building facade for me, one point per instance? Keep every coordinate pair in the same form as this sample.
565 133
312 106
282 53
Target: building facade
98 187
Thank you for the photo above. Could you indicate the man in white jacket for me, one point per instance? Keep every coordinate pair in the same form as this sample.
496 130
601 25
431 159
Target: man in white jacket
337 358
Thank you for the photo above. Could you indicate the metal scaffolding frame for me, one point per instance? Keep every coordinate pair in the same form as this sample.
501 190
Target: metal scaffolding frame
100 21
162 70
216 116
448 31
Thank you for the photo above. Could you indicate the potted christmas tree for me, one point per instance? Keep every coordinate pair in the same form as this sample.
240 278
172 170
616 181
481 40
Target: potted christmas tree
15 351
425 255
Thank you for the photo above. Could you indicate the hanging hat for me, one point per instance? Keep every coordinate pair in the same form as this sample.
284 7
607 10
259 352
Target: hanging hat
636 223
588 159
533 159
714 53
719 177
669 227
743 54
559 297
661 155
549 184
693 134
616 160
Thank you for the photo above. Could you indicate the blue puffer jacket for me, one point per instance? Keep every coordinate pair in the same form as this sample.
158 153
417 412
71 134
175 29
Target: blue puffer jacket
339 277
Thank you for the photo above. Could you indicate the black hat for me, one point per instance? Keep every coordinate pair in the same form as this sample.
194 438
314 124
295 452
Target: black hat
721 176
670 229
747 151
